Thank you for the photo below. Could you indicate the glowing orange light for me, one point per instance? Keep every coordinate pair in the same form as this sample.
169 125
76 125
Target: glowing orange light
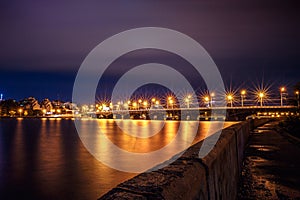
261 94
229 97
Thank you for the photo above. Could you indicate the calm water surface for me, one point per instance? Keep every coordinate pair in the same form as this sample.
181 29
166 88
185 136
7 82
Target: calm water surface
45 158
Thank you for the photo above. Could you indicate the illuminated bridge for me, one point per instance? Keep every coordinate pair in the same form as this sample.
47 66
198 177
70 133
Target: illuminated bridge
200 113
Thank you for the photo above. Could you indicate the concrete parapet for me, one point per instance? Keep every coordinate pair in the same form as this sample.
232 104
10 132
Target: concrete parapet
213 177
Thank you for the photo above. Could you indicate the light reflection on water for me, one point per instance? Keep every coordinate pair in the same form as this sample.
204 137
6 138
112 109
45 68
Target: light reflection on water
45 159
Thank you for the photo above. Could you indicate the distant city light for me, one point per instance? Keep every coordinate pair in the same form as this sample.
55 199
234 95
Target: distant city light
261 96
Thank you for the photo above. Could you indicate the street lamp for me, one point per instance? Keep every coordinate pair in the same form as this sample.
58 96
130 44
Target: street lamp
187 100
243 95
211 99
145 103
128 104
157 102
139 101
282 90
230 98
153 102
171 102
206 100
20 111
261 96
297 93
134 104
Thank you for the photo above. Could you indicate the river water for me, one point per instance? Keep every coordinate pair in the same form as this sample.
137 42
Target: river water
45 158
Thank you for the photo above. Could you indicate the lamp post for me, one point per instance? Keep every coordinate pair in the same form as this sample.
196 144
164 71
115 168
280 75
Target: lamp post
169 102
145 104
128 104
20 111
44 112
153 101
230 98
119 105
261 96
243 95
206 100
282 90
211 99
297 93
156 102
139 101
187 100
134 104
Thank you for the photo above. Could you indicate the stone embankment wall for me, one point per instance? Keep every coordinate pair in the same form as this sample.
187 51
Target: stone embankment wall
213 177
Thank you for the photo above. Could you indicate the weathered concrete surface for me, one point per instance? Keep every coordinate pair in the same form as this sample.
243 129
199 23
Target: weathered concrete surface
176 181
213 177
271 166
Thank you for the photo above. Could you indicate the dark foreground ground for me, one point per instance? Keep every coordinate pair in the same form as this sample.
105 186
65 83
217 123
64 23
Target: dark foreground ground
271 165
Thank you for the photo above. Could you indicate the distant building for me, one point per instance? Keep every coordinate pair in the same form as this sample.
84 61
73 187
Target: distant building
57 104
8 107
46 105
30 103
70 106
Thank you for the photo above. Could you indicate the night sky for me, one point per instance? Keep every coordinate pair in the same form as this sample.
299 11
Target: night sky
43 43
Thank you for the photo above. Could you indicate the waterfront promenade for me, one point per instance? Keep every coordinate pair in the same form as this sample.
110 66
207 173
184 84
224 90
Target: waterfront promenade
271 165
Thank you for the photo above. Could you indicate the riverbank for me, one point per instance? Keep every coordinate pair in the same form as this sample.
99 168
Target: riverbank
271 166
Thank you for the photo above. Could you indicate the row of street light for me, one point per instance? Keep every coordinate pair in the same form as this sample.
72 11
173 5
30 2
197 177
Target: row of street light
208 100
